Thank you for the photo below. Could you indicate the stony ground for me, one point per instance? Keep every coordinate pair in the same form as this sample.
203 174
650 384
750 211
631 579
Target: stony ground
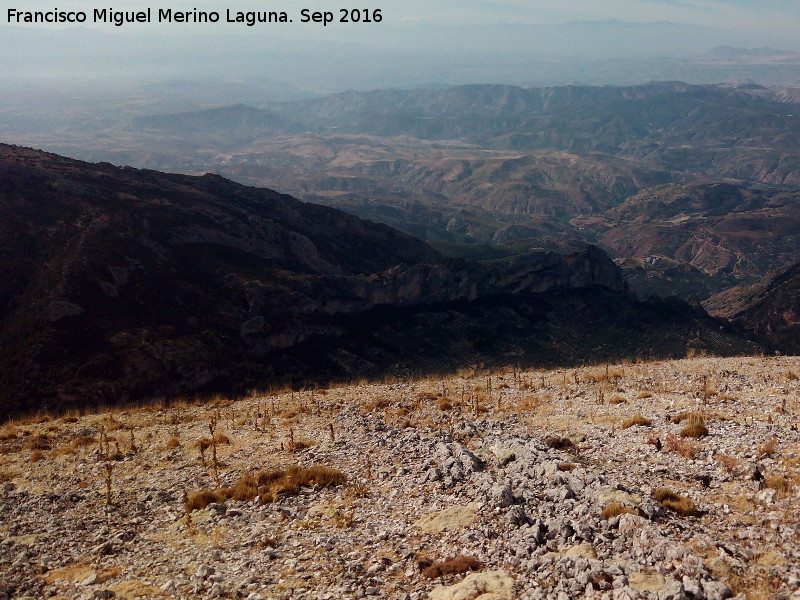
536 483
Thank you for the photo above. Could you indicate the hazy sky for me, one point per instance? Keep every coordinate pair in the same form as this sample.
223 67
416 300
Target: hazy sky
780 17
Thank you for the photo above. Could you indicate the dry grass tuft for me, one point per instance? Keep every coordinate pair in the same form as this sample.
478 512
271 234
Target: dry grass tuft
616 508
728 462
779 483
558 443
695 426
39 441
452 566
637 420
768 448
685 447
268 485
675 502
445 404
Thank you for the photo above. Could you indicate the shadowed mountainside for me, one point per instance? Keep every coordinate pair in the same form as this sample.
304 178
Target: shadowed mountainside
118 284
771 308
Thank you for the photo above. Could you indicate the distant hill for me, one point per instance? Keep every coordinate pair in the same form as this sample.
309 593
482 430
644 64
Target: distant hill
731 53
234 122
118 284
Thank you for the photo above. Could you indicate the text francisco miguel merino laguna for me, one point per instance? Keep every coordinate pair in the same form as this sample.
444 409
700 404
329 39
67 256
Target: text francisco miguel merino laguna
168 15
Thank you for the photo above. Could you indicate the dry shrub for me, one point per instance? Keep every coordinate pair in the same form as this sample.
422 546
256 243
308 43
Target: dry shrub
529 404
675 502
637 420
616 508
202 498
376 405
695 426
9 432
618 399
685 447
39 441
268 485
82 440
343 519
558 443
768 448
298 445
36 419
778 482
728 462
452 566
358 490
205 443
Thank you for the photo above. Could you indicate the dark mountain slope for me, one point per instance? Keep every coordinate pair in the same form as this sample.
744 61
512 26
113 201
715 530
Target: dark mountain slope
771 308
119 284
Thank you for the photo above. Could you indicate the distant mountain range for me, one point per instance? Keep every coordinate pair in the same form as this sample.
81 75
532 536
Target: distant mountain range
118 284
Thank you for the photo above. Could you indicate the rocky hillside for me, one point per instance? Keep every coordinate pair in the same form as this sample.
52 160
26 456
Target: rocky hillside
119 284
771 308
650 481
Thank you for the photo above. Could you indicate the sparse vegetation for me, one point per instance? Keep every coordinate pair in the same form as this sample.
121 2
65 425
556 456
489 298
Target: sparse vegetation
768 448
695 426
675 502
637 420
616 508
452 566
778 483
268 485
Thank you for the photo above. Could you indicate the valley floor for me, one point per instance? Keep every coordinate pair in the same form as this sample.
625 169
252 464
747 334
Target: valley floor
547 484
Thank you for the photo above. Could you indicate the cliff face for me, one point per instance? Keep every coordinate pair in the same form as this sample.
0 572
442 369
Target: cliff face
118 284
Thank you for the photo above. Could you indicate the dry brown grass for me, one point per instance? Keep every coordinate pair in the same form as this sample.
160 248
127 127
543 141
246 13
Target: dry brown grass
695 426
81 441
558 443
268 485
452 566
675 502
768 448
615 509
637 420
40 441
687 448
9 432
778 483
728 462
